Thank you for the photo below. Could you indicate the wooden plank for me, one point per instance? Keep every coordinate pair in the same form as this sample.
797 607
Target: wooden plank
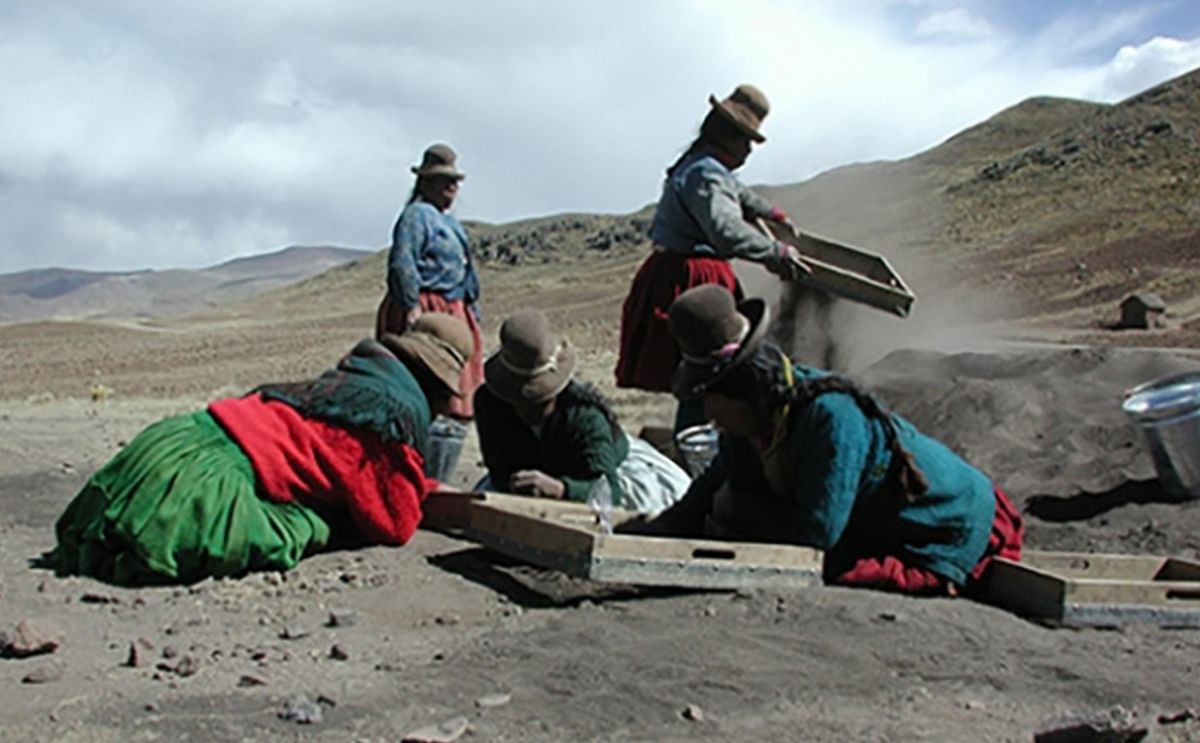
1176 594
1079 589
847 271
1024 589
1098 565
444 509
563 536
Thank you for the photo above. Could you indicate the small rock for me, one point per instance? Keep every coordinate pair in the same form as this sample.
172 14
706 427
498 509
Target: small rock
692 712
326 700
186 666
294 632
447 731
887 616
1115 725
337 652
134 659
249 679
44 674
493 700
974 704
301 710
33 637
169 652
710 611
1186 715
342 618
150 707
448 620
99 598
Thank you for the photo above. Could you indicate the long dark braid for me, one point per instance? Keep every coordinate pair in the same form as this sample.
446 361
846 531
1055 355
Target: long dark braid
762 378
715 130
585 393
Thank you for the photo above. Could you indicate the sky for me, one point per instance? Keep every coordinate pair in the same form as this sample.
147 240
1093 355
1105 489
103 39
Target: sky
181 134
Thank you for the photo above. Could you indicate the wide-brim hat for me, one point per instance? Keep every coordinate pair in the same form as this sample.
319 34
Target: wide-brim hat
439 160
714 335
745 108
438 342
532 365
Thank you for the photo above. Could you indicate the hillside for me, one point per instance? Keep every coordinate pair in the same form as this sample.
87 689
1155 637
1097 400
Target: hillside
1031 225
62 293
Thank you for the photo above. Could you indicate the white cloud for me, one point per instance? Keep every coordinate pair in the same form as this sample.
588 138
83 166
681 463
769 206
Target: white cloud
143 134
954 22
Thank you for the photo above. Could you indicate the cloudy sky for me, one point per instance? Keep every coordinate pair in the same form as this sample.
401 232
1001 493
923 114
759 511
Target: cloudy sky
159 134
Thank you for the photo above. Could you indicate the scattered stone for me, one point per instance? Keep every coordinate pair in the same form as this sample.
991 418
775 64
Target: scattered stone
99 598
249 679
447 731
342 618
301 710
187 666
44 674
169 652
293 632
337 652
1115 725
32 637
493 700
692 712
1186 715
326 700
134 659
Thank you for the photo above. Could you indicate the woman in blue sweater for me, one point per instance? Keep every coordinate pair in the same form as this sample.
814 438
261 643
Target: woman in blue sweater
810 458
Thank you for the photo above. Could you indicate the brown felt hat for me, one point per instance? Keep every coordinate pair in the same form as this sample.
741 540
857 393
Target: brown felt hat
532 364
746 107
714 335
440 343
439 159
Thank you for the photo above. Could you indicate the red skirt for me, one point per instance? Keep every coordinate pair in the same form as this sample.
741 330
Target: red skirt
390 319
850 567
648 355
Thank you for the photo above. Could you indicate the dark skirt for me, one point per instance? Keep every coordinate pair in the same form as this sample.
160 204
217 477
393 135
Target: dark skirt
648 354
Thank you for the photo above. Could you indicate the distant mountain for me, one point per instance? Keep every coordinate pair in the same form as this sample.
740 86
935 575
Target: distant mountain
63 293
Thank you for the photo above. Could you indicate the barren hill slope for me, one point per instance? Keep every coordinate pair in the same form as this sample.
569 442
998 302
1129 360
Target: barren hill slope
72 294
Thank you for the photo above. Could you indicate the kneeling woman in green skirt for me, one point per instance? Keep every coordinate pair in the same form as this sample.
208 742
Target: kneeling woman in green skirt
259 482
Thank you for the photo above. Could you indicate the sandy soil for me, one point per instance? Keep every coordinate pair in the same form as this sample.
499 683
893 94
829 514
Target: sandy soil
441 627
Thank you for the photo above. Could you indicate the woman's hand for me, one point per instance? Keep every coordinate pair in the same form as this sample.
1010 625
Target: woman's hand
537 483
411 315
789 265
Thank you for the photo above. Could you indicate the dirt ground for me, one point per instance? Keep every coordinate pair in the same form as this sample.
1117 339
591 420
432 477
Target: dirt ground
441 628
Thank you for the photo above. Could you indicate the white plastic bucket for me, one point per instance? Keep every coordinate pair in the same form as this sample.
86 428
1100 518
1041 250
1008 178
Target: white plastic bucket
1168 412
698 445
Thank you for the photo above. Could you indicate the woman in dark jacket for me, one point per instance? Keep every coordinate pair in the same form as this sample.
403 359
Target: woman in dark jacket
544 434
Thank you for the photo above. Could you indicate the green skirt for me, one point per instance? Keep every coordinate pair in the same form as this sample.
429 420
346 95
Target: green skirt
177 505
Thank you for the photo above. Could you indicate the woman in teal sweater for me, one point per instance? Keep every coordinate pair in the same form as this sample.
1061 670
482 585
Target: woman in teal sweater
811 459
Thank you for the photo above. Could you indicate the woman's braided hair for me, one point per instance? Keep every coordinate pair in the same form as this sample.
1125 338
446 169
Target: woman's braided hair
762 379
585 394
